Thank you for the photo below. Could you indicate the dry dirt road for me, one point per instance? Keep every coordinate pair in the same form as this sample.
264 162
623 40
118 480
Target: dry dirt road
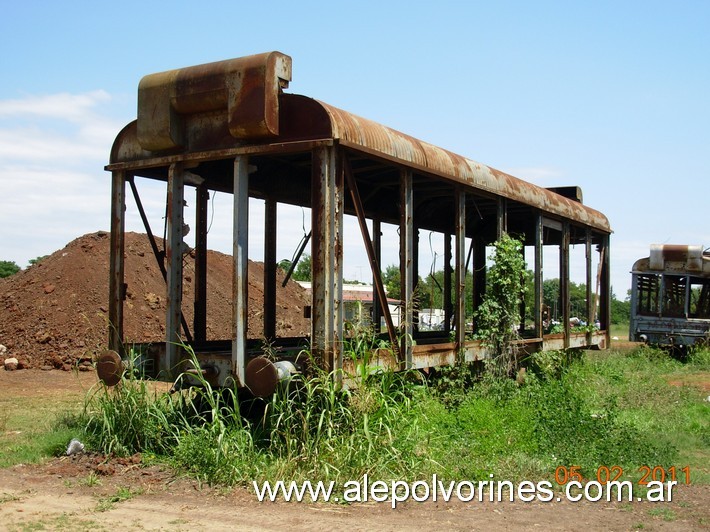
88 493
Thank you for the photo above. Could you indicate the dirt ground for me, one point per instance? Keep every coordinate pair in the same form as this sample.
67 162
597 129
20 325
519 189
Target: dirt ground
83 493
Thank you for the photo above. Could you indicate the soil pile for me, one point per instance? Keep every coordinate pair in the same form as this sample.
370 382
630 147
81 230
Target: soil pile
55 313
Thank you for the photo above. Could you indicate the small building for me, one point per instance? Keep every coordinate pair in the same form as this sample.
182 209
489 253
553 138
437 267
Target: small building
358 302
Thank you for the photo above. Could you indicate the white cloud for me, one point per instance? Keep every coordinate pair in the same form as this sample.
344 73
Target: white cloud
71 107
32 146
52 184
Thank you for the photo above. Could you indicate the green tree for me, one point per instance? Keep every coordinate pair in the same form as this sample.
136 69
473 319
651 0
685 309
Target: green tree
303 269
620 310
8 268
551 296
37 260
284 264
390 278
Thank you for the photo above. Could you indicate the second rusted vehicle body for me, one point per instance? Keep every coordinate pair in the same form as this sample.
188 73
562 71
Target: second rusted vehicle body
230 127
670 297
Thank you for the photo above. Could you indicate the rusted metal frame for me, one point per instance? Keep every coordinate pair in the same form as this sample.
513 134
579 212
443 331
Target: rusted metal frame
467 269
590 302
479 274
502 217
605 300
507 192
244 90
597 286
199 323
326 262
539 325
174 248
336 168
321 327
377 308
116 289
240 275
159 255
227 153
522 308
270 219
460 271
369 248
564 282
406 271
551 223
415 276
448 272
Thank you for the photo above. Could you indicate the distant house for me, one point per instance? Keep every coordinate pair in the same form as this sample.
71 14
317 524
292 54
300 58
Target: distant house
358 303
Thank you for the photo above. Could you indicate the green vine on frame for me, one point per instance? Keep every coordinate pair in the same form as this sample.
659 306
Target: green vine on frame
499 313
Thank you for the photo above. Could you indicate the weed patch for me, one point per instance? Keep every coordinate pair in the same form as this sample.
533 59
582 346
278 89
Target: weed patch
585 412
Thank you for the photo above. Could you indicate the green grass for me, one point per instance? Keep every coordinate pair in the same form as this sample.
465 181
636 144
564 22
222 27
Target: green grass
620 330
122 494
63 521
608 408
33 429
645 385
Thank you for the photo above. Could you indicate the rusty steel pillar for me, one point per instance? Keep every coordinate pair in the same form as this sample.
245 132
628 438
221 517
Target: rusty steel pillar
564 282
200 303
116 262
327 258
460 249
173 252
377 311
502 217
407 266
336 163
479 273
539 302
605 290
590 303
270 217
240 275
523 308
448 304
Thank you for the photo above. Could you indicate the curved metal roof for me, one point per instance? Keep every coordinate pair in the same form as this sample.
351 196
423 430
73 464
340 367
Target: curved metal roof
220 108
358 132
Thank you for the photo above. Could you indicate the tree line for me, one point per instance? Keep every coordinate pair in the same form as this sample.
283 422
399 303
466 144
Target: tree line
430 292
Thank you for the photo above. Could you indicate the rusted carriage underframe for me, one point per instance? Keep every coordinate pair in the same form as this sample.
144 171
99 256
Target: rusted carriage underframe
327 201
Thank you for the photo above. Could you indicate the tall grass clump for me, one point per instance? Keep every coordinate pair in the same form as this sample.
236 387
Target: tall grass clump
130 418
603 409
316 429
311 428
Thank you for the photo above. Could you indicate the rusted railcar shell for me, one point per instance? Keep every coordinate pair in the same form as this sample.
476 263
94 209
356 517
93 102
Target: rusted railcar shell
229 127
330 123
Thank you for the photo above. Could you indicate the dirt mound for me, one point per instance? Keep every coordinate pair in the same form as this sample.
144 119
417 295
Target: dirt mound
55 313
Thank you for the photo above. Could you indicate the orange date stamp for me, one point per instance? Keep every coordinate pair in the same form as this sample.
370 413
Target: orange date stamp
605 474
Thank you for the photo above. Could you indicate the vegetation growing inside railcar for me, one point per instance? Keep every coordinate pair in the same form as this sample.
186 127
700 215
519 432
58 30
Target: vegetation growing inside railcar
499 314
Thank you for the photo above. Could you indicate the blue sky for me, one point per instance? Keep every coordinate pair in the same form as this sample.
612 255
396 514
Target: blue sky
610 96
